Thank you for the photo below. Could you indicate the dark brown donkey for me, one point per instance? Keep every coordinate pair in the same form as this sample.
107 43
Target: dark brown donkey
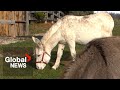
100 60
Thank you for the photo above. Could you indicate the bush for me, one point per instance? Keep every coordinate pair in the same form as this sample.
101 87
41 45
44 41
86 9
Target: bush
39 16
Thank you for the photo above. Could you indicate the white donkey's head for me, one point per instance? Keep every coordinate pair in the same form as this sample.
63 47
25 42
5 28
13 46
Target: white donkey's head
42 57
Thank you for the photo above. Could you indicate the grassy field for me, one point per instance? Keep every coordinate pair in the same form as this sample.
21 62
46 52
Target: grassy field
48 72
36 28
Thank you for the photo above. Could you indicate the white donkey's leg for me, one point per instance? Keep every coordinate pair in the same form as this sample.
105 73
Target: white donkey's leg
59 55
72 49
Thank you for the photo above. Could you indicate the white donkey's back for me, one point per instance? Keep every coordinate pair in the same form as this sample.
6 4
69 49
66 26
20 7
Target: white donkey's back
86 28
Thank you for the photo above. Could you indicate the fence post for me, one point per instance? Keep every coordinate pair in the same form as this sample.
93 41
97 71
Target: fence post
27 23
46 16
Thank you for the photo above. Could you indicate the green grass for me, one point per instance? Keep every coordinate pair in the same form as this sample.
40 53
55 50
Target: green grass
116 30
48 72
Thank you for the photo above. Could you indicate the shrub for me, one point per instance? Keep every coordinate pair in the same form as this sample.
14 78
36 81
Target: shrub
39 16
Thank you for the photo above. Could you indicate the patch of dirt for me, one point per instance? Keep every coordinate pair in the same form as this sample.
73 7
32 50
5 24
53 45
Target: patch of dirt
36 28
8 40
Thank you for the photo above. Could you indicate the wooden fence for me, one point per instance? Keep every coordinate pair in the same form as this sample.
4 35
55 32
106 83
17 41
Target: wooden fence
49 15
14 23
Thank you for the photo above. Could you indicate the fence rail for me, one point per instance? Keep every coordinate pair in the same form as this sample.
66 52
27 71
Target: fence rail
49 15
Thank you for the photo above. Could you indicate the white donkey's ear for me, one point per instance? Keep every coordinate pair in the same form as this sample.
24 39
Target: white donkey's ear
36 40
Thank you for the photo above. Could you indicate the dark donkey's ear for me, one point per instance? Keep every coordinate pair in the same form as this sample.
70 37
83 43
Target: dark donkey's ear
36 40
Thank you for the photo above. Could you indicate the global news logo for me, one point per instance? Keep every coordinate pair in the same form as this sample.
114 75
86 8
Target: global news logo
18 62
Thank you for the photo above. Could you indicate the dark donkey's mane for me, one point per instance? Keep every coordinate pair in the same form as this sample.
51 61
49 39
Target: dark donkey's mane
100 60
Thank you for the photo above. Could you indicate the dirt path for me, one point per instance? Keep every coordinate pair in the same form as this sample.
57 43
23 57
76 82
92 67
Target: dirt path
8 40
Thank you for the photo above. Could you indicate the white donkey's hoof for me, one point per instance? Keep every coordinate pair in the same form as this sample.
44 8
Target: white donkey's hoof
54 67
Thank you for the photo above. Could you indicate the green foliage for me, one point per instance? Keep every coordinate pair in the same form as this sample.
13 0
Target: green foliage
116 30
39 15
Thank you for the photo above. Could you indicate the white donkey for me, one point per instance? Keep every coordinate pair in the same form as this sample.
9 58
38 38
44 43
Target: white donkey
71 30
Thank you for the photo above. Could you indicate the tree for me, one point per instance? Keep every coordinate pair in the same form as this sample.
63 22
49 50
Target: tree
39 16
